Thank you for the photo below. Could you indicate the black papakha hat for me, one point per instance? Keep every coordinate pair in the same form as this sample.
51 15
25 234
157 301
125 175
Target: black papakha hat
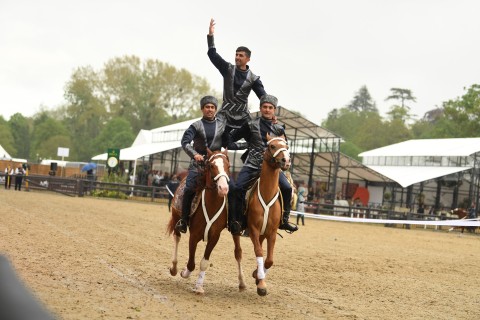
209 99
270 99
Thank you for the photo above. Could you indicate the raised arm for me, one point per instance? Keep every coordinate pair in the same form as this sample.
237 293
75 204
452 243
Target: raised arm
211 29
214 57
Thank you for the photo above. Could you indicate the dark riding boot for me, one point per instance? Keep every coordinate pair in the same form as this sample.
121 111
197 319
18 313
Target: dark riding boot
182 224
290 228
237 224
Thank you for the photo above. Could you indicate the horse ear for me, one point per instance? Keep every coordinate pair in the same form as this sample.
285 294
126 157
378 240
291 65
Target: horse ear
209 152
225 151
268 136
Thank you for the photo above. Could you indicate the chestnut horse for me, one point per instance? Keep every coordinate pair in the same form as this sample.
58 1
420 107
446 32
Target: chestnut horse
462 214
264 210
207 220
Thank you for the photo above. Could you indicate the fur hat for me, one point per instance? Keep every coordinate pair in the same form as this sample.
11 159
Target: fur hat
270 99
209 99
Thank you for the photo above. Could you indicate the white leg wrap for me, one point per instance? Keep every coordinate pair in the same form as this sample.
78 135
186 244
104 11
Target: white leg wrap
265 270
260 269
201 276
200 279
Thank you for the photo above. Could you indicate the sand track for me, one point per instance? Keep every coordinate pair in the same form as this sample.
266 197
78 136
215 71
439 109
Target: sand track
104 259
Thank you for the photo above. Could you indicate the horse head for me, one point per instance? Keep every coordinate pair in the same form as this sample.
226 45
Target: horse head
218 169
277 153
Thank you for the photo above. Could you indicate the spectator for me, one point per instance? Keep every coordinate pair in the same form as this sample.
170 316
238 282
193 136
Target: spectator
19 172
302 194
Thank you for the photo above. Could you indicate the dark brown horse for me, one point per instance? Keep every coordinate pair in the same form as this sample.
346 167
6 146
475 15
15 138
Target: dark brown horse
208 218
264 211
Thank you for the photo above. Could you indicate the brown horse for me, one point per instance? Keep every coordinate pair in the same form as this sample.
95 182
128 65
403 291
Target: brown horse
462 214
264 210
208 218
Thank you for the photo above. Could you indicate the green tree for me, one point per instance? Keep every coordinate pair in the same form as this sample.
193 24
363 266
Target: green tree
463 114
117 133
402 95
48 135
85 113
7 141
362 101
20 128
152 93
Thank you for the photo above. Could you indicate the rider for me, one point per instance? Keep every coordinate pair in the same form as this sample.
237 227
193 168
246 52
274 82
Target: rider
255 133
206 132
238 81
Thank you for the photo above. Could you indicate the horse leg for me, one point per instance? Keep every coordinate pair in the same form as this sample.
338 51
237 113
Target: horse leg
211 243
176 240
260 271
201 276
192 248
269 260
238 256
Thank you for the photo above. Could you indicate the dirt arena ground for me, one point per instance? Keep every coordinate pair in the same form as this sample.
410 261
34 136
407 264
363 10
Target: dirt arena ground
90 258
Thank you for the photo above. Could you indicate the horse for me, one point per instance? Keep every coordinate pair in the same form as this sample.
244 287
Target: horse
208 217
264 210
462 214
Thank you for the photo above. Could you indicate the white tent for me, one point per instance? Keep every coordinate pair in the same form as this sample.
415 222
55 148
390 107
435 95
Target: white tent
4 155
431 151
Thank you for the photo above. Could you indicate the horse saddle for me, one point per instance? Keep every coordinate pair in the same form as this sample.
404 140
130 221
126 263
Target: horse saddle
177 200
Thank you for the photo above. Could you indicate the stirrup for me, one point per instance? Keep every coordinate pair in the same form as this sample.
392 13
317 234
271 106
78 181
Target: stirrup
289 228
181 226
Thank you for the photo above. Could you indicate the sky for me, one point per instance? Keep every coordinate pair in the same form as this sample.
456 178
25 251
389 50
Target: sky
314 55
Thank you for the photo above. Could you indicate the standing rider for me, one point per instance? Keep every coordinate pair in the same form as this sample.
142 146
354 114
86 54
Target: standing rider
255 133
208 132
238 81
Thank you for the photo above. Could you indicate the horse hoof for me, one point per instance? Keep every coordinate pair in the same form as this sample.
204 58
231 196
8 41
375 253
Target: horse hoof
242 288
173 271
199 291
262 292
185 273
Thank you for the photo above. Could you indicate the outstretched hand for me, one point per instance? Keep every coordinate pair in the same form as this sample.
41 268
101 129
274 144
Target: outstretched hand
211 29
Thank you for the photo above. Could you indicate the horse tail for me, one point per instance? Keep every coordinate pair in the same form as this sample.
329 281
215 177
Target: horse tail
170 225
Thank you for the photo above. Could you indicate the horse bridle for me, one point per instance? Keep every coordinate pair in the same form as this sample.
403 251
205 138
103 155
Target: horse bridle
221 174
273 159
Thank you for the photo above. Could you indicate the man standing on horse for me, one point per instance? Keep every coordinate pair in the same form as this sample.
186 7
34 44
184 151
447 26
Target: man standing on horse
208 132
238 82
255 133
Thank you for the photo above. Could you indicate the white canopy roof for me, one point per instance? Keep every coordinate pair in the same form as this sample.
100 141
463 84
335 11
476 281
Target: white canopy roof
406 176
4 155
461 147
135 152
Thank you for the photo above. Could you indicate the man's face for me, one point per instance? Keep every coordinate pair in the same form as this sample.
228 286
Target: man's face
208 111
241 59
268 110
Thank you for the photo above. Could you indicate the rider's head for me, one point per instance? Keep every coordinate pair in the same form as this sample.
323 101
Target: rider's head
242 57
268 104
208 104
